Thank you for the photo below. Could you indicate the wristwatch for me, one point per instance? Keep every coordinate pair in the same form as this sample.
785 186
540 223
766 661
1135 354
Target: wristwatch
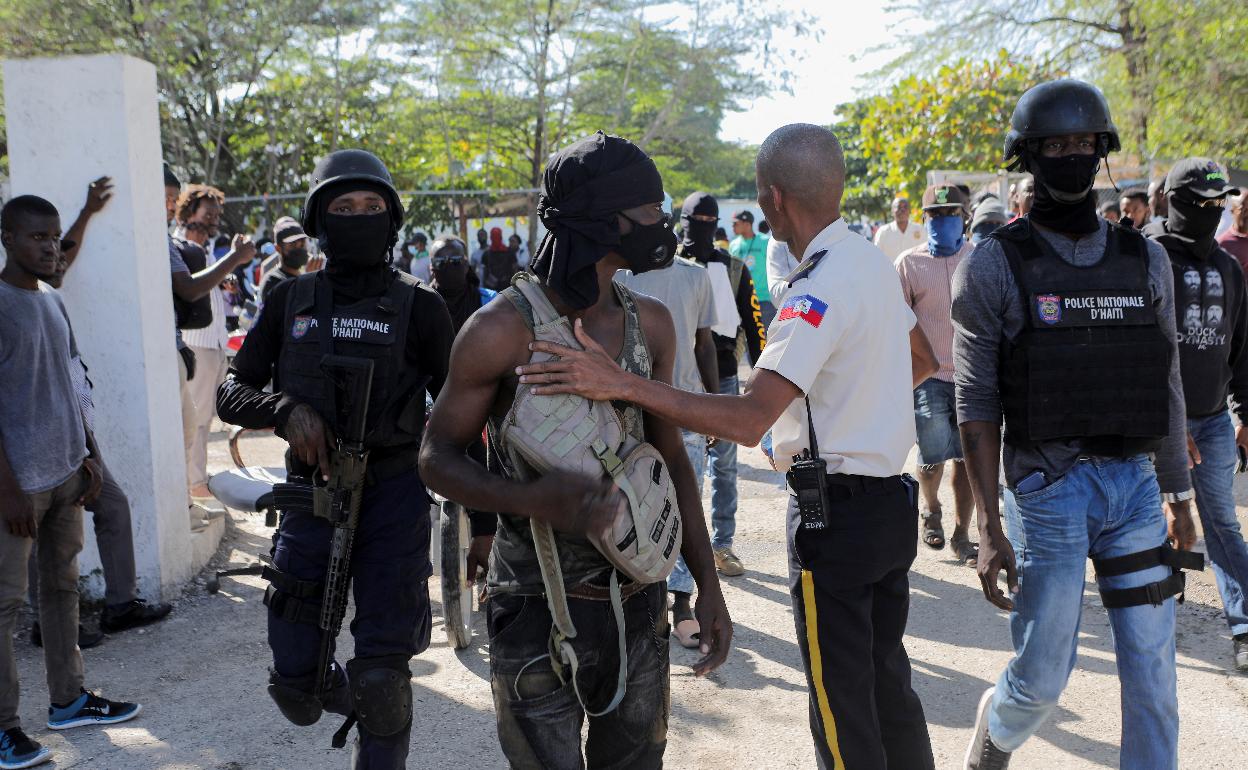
1178 497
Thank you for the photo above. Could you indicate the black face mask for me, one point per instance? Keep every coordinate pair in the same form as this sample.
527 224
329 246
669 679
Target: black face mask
648 247
1193 224
699 238
295 259
1063 198
360 240
450 276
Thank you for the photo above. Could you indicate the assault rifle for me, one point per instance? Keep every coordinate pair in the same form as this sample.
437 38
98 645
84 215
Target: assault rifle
338 499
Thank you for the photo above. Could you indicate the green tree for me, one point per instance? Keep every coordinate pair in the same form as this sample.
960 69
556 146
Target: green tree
956 118
1175 73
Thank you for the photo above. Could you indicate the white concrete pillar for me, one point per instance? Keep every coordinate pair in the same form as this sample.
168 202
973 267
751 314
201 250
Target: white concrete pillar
71 120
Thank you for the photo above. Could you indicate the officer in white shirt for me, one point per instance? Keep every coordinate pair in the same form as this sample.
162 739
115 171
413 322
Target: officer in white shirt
900 234
845 342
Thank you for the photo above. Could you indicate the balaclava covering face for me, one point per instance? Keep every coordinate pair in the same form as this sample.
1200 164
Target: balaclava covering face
357 245
583 188
1192 224
698 237
1063 191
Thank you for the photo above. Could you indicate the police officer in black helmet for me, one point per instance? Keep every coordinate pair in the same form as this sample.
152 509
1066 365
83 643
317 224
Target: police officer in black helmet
357 306
1064 326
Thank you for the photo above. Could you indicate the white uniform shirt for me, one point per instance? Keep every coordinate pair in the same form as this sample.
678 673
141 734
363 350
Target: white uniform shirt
892 241
842 335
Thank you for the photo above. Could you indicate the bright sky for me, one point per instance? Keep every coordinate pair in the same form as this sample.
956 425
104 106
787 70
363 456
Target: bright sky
831 72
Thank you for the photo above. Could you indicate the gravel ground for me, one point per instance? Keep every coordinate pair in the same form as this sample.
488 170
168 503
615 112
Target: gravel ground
201 673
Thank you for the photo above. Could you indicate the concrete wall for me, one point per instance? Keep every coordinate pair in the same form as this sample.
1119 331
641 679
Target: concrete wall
71 120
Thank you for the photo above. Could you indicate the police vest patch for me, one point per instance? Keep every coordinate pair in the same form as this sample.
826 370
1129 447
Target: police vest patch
300 326
1093 308
1049 306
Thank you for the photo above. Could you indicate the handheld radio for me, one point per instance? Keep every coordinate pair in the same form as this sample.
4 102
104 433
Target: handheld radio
808 478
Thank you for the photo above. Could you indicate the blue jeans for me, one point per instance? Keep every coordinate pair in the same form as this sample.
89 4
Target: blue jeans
1213 478
1101 508
695 445
724 481
936 423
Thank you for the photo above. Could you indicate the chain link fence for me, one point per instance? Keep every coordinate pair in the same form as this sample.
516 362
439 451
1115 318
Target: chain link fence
432 212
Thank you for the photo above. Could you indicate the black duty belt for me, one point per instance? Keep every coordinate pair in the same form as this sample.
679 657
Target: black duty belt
843 486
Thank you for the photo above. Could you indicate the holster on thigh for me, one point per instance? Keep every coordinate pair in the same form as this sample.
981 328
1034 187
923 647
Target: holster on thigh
1150 593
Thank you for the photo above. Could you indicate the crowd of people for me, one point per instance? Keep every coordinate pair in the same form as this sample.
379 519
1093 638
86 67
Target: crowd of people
1072 365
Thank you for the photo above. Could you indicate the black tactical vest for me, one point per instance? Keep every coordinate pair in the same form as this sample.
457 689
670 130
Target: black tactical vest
1091 362
373 328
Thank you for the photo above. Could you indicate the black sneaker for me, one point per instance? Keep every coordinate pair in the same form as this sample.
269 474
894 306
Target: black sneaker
1240 645
132 614
983 754
18 751
91 709
86 637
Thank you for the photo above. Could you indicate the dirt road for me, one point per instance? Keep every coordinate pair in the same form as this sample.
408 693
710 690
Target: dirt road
201 674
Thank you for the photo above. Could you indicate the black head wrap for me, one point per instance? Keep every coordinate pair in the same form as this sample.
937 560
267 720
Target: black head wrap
698 237
583 188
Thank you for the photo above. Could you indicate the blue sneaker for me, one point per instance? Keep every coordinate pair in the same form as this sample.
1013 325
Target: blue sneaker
17 751
91 709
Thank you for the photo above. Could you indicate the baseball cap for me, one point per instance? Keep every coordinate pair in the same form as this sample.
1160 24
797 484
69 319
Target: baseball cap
744 215
939 196
1202 177
989 210
287 229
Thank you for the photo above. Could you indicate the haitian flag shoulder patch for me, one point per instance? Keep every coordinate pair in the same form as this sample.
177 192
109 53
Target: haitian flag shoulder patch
807 307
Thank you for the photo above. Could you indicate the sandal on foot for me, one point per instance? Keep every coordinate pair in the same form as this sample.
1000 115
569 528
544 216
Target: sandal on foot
933 535
965 550
686 629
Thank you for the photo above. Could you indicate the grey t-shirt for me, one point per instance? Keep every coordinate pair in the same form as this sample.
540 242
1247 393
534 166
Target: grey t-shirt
684 288
987 308
40 419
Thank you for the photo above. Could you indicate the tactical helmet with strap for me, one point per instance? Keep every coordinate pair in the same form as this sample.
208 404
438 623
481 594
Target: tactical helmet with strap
1060 108
347 166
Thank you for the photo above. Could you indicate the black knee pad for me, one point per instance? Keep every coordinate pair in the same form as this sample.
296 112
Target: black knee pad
381 693
295 698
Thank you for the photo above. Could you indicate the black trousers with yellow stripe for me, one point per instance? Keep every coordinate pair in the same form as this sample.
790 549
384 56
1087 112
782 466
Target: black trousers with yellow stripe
851 596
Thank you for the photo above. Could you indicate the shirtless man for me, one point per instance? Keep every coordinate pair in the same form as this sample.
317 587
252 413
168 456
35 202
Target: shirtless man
601 203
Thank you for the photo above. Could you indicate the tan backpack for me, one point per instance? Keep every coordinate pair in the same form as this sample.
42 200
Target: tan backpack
542 433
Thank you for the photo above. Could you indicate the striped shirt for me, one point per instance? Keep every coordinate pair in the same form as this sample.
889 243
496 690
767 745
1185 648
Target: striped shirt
214 335
927 283
82 386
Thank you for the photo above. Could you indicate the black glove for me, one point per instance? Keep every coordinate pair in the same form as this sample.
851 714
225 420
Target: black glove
188 358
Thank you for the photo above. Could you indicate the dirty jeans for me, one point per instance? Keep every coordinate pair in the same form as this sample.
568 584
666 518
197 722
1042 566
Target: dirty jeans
111 520
540 718
1224 542
390 571
59 520
695 446
724 481
1102 507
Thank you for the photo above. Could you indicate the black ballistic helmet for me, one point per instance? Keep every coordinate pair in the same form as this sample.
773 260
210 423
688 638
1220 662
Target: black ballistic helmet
347 166
1058 108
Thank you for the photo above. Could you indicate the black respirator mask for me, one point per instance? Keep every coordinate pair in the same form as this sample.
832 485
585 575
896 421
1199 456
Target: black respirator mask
295 258
648 247
359 240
